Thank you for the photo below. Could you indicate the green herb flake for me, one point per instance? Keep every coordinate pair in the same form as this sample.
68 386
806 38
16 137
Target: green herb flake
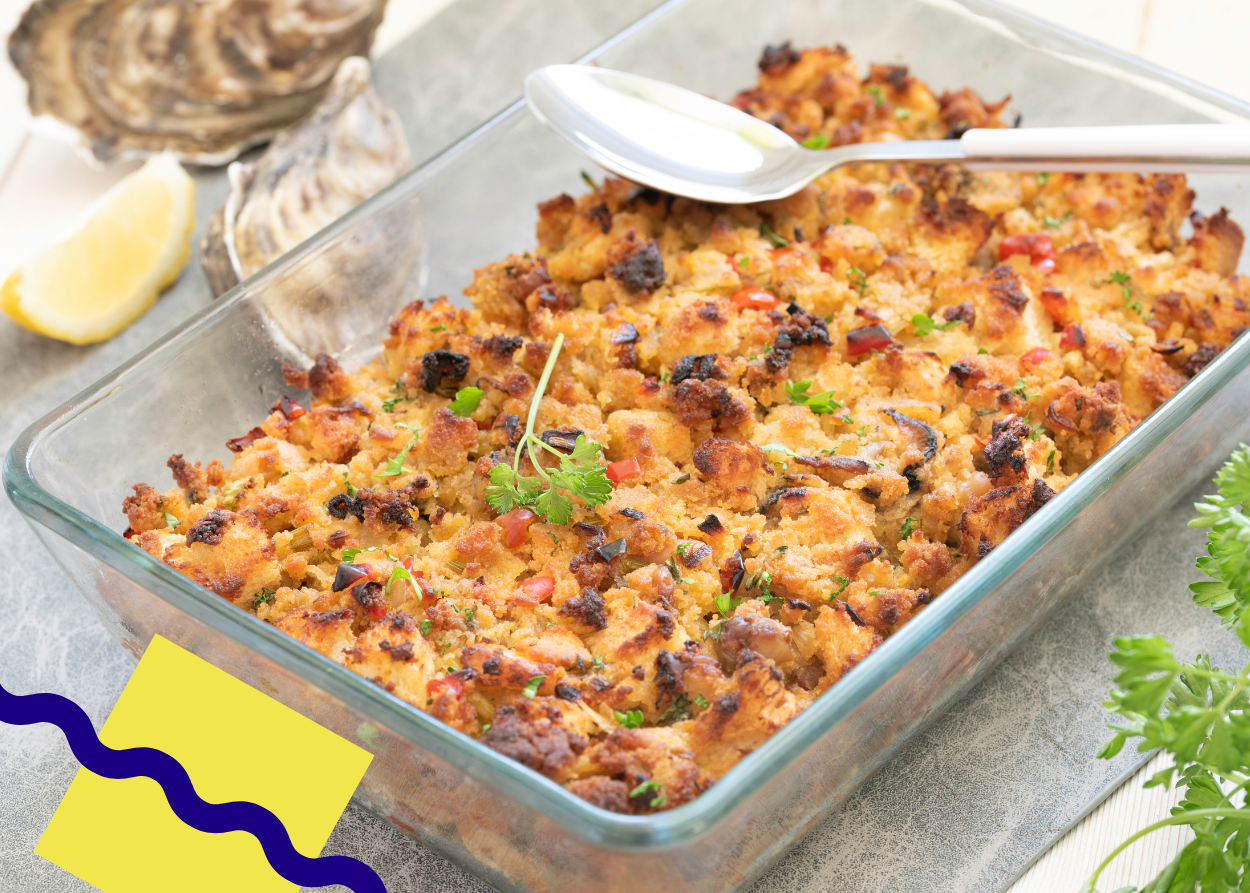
877 97
858 279
597 662
926 325
590 181
388 405
170 521
425 626
744 263
264 597
1051 223
351 491
902 114
1042 178
909 525
862 430
726 602
767 232
701 701
843 583
981 351
1050 462
395 465
659 801
630 719
821 404
816 141
1020 389
438 328
531 689
466 402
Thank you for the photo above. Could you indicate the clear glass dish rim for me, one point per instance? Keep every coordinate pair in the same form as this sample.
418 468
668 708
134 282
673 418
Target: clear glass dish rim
633 833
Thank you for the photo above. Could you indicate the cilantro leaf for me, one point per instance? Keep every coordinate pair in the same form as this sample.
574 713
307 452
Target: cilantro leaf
821 404
925 325
466 402
395 465
630 719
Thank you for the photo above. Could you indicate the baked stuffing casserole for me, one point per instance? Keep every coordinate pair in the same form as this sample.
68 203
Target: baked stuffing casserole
684 465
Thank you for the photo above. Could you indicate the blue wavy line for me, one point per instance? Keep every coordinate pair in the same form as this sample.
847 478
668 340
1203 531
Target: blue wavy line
214 818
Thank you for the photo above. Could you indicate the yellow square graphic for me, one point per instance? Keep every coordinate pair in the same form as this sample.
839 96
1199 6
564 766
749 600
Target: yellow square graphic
121 836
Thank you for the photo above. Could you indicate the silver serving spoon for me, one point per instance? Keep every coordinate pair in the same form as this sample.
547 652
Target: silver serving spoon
681 142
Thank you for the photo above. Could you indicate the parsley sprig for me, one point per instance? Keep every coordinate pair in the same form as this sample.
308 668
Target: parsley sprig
580 473
1196 712
395 464
927 325
821 404
466 402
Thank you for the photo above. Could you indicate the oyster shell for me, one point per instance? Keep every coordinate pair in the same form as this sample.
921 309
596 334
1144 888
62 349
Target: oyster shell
349 147
204 79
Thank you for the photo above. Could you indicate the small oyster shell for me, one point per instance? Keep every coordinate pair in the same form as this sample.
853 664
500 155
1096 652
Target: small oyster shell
204 79
349 147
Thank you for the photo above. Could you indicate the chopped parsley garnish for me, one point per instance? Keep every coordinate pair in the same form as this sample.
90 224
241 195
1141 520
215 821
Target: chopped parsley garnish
630 719
761 582
767 232
170 521
659 800
858 278
744 263
981 350
677 711
597 662
926 325
902 114
590 181
388 405
351 491
1050 462
843 583
466 402
399 387
350 554
580 473
1121 279
726 602
821 404
909 525
1052 223
264 597
1022 390
1042 178
395 465
862 430
816 141
701 701
438 328
425 626
877 99
535 683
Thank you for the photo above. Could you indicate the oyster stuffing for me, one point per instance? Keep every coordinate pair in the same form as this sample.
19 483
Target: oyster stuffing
205 79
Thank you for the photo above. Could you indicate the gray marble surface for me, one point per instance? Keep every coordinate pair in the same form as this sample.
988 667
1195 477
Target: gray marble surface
964 806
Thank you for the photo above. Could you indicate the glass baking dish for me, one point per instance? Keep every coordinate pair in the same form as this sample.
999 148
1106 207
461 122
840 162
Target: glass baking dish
220 372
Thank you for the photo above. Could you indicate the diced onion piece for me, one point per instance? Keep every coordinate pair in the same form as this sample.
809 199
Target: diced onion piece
534 590
515 526
619 471
755 299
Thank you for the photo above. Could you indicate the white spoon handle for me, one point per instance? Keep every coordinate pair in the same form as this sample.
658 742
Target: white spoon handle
1154 147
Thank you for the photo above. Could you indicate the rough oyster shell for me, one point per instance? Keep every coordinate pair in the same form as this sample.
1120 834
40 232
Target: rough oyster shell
205 79
349 147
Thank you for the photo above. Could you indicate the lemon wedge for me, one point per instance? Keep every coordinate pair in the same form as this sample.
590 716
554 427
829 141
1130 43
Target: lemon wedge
130 246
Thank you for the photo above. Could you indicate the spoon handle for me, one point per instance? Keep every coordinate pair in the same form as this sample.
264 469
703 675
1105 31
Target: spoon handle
1159 148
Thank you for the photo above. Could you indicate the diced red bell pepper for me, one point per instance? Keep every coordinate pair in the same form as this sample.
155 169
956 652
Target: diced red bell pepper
619 471
1035 356
1037 246
1073 336
534 590
866 338
453 685
755 299
515 526
1055 302
826 265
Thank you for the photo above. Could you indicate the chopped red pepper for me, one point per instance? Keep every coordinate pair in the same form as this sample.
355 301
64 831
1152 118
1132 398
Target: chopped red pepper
534 590
289 408
866 338
515 526
1073 336
755 299
1035 356
619 471
1055 302
826 265
1037 246
453 684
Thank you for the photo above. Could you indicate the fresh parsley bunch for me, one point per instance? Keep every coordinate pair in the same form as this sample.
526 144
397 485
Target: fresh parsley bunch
1196 712
580 473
